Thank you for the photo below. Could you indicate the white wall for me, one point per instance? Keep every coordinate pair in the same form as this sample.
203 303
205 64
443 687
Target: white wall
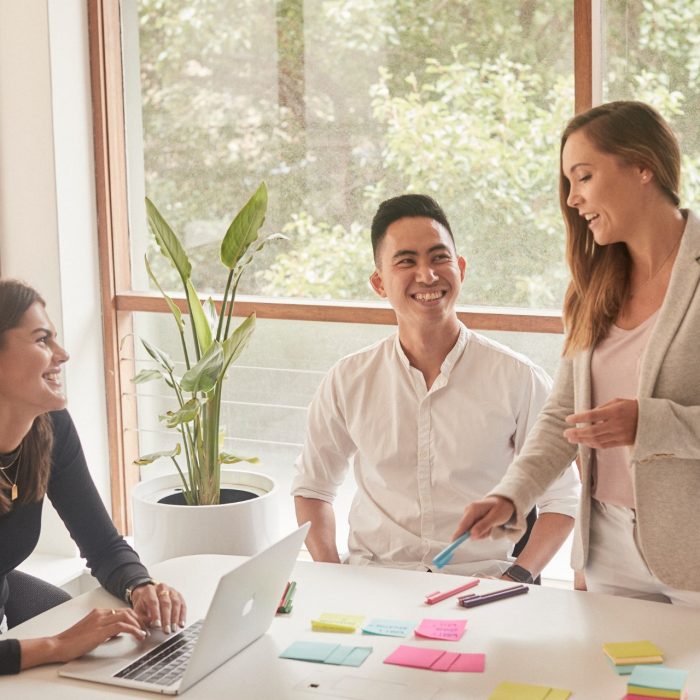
48 231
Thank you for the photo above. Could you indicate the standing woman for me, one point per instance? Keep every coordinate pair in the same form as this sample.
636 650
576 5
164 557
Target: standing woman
627 395
40 454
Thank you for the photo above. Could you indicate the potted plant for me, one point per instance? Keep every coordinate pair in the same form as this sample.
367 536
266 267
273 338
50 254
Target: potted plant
203 507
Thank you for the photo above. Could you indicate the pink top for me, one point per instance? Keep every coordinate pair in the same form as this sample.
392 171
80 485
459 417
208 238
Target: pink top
615 365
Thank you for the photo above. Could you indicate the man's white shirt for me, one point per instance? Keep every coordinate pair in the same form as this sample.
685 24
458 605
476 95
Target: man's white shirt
421 456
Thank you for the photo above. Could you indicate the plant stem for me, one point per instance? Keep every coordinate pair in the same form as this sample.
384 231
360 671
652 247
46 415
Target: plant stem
223 304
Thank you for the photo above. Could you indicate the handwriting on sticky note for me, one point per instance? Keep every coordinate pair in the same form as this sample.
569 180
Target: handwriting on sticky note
388 628
447 630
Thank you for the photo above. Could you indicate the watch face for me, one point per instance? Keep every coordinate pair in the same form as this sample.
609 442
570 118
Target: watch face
519 574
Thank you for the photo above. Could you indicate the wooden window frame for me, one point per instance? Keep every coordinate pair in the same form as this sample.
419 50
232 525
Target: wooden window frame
119 301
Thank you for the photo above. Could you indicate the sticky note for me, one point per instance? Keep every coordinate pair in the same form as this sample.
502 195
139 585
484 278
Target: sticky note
445 662
414 657
626 669
388 628
309 651
357 656
631 650
525 691
448 630
332 654
337 622
469 663
436 660
658 678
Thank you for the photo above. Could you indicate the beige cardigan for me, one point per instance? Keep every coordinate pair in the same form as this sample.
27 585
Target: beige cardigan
666 455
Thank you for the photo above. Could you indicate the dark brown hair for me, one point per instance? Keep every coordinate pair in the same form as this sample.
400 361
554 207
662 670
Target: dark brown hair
35 461
600 275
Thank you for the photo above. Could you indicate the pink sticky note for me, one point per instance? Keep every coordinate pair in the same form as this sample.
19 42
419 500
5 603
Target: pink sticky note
448 630
415 657
444 663
469 663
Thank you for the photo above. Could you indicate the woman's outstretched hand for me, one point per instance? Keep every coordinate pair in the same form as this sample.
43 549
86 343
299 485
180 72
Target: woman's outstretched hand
94 629
480 517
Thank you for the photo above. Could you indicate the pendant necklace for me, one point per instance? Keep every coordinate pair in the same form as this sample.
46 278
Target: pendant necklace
658 269
15 492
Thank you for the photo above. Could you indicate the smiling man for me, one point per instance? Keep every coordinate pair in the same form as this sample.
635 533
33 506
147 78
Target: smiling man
430 418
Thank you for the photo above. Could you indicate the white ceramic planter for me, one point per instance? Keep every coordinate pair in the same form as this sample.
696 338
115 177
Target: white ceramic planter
164 531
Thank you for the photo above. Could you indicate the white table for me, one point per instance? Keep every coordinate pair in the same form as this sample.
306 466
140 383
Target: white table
549 637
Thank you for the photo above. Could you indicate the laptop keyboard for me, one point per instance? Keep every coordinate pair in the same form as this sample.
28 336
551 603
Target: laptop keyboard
166 663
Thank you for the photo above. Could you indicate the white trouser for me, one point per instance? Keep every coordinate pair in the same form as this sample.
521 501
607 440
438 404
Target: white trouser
615 562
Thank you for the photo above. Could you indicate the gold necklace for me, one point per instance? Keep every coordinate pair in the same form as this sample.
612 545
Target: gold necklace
14 494
658 269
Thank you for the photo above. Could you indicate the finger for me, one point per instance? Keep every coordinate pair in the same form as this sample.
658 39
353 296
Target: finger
165 607
175 609
495 516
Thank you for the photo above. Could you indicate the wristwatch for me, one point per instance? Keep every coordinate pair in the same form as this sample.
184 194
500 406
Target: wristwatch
137 583
519 574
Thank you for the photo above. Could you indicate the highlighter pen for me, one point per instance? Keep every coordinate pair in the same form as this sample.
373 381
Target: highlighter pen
471 601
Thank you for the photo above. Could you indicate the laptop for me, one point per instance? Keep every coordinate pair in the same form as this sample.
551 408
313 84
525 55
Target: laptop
241 611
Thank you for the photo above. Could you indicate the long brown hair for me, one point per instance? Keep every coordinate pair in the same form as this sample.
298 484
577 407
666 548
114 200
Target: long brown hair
35 459
600 275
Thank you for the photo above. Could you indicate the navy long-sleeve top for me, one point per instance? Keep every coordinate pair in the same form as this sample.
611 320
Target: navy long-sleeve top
74 496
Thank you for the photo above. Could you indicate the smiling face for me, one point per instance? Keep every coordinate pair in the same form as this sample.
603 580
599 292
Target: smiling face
608 193
30 365
418 270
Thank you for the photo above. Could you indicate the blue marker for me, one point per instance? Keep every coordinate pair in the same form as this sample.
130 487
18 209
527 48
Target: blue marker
445 556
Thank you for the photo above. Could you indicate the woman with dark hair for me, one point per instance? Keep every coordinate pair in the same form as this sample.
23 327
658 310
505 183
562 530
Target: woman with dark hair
627 395
40 454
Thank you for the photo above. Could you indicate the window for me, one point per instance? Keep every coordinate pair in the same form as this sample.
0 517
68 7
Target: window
336 105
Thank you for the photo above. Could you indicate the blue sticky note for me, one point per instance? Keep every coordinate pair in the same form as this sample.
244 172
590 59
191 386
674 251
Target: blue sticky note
309 651
658 677
389 628
339 655
626 669
357 656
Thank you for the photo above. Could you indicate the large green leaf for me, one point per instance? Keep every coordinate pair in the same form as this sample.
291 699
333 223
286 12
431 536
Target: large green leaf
202 377
168 242
228 458
211 315
244 228
199 320
185 414
160 356
147 459
236 342
147 375
174 310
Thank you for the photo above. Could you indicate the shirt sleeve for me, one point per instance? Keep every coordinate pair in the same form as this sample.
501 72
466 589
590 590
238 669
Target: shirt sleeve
562 495
10 657
666 429
325 458
72 491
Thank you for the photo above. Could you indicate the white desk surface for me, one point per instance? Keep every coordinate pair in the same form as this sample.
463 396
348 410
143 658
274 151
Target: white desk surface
547 637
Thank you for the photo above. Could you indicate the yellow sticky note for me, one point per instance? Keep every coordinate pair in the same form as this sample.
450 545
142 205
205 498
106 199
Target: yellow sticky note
631 650
524 691
337 622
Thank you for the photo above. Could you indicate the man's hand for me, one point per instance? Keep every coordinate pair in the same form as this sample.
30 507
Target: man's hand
613 424
482 516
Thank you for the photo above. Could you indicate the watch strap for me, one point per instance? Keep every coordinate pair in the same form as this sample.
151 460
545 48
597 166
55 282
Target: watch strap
137 583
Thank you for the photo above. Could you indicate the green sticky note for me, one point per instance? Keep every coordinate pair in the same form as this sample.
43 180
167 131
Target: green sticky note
309 651
339 655
357 656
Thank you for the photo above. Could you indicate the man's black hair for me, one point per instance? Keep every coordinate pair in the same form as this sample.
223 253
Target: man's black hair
405 205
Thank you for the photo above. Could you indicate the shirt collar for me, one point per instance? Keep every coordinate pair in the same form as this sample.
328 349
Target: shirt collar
451 358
